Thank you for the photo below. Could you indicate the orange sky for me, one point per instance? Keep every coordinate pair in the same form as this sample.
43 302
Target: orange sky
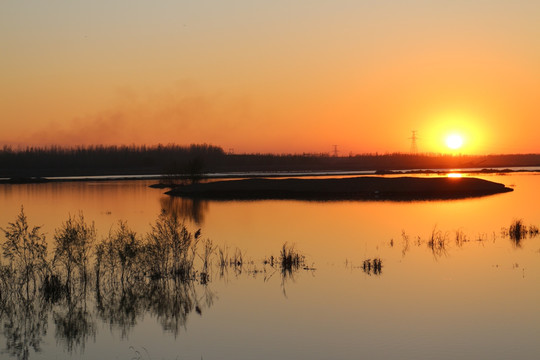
274 76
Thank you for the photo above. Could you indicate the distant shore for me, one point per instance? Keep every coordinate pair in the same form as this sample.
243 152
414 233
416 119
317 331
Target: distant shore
258 174
60 163
362 188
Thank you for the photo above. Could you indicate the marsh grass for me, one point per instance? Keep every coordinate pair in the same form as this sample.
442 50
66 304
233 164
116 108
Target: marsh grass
460 238
290 259
161 272
269 261
223 256
206 257
518 231
372 266
405 240
437 242
236 261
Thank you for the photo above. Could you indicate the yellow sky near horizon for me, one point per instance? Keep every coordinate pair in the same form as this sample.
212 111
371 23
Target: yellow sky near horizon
281 77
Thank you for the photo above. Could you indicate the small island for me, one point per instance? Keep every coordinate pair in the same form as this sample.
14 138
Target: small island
352 188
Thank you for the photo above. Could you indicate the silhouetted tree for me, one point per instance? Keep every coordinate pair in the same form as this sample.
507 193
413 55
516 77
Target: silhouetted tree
73 243
122 249
195 169
171 247
26 250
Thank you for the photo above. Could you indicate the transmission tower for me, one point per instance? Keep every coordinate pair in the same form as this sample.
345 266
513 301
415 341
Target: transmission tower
414 145
335 150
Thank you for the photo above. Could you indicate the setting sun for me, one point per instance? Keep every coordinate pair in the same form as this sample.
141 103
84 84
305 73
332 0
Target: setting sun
454 141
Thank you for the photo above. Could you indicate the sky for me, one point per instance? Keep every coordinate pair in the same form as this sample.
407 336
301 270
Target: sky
274 76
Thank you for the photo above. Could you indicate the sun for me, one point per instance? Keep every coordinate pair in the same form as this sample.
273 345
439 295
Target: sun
454 141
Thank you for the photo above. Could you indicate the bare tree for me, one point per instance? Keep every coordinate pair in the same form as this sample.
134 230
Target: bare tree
73 243
26 250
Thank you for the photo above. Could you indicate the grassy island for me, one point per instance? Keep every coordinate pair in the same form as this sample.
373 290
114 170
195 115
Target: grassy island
362 188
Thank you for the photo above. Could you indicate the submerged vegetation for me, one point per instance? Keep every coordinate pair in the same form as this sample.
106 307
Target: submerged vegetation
73 244
440 242
518 231
372 266
168 272
290 259
116 280
26 251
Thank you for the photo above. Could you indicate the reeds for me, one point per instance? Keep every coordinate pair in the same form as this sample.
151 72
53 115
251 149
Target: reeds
289 258
372 266
460 238
133 274
405 239
518 231
437 242
208 251
236 261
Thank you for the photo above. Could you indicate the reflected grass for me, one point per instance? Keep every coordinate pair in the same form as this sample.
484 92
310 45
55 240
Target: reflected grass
437 242
518 231
163 273
167 272
372 266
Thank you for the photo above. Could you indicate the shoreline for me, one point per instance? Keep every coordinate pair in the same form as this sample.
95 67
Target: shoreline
253 175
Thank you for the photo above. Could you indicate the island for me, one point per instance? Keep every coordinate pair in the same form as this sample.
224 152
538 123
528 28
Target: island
350 188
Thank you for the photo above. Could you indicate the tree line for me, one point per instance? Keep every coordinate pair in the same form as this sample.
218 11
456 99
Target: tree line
200 158
103 160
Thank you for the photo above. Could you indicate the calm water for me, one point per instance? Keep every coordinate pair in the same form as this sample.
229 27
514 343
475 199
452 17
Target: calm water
477 299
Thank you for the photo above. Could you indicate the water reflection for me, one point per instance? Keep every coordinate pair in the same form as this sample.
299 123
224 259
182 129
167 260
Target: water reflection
465 294
24 320
518 231
437 243
372 266
166 273
74 321
440 242
185 208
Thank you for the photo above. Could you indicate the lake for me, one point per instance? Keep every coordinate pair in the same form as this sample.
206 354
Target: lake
379 279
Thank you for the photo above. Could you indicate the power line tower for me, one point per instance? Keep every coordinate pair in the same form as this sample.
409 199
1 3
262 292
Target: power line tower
335 150
414 145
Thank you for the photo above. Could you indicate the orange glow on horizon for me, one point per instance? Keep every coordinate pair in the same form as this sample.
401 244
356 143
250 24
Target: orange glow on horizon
458 132
255 79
